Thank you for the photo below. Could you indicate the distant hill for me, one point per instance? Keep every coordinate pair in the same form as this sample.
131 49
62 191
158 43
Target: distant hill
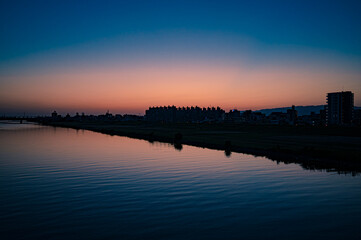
302 110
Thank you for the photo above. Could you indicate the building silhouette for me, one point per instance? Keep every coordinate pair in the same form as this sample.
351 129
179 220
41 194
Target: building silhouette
292 115
340 106
338 111
54 114
184 114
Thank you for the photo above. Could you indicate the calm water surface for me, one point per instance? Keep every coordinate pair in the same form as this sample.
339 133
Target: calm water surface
58 183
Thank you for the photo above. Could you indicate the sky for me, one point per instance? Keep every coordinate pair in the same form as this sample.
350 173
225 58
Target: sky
125 56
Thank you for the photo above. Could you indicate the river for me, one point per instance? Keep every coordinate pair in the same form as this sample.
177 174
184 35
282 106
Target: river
59 183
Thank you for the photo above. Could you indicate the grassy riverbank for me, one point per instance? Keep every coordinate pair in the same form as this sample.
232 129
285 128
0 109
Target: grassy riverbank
318 148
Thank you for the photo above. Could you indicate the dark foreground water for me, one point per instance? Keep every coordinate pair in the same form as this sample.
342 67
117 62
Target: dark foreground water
58 183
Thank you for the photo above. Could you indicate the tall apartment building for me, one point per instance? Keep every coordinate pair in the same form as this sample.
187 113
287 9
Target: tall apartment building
340 108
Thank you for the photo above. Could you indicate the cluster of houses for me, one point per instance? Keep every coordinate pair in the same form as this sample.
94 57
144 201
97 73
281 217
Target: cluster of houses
184 114
199 115
107 117
324 117
338 111
275 118
173 114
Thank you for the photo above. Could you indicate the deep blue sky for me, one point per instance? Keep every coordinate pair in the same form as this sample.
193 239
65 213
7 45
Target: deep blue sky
29 27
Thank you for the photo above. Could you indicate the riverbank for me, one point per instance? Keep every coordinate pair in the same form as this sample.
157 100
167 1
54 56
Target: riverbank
331 149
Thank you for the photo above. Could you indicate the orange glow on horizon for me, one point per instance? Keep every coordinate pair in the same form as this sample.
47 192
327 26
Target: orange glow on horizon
134 89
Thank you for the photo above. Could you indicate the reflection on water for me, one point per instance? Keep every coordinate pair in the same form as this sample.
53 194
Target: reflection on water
58 183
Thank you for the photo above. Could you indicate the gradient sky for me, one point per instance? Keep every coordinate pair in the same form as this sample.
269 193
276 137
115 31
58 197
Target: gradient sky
91 56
